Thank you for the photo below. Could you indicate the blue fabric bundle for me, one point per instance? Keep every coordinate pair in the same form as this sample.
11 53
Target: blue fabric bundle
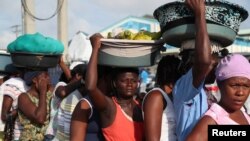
36 43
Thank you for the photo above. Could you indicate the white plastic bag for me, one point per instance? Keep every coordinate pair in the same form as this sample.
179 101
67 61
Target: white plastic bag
79 49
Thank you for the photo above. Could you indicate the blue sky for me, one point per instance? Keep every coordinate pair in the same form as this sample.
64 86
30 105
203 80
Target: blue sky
89 16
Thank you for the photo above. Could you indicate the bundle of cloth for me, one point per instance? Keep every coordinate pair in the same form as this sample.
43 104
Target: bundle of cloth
36 43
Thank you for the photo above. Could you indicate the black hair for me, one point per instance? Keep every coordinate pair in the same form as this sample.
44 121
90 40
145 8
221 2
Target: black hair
80 69
6 76
118 70
63 78
167 70
186 61
103 70
224 52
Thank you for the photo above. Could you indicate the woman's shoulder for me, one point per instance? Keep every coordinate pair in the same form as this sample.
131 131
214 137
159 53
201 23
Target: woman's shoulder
155 94
85 102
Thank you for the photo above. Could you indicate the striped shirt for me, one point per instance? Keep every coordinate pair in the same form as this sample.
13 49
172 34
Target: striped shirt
13 88
54 106
65 111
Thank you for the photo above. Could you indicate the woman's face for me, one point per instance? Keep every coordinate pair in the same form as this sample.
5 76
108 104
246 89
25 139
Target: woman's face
43 78
126 84
44 75
234 92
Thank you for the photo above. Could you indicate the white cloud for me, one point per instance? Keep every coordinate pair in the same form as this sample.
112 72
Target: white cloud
6 38
81 25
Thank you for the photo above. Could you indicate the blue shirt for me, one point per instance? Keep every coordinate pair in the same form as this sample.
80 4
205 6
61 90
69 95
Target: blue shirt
190 104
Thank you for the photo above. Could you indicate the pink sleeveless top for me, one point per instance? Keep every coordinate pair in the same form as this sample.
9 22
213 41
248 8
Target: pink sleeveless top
221 116
123 129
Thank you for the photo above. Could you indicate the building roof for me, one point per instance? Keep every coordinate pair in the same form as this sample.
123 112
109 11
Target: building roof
132 22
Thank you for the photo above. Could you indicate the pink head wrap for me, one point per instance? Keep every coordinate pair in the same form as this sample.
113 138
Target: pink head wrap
231 66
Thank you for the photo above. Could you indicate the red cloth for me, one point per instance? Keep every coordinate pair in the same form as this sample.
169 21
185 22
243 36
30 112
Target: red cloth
123 129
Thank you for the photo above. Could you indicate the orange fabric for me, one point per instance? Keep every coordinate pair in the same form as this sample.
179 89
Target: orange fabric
122 128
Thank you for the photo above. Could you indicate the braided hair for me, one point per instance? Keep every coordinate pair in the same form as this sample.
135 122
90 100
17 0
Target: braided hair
167 70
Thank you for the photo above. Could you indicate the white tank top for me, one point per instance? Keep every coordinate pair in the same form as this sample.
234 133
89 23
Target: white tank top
168 126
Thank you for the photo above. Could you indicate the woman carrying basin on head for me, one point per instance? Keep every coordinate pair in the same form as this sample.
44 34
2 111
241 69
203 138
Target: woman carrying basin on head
120 115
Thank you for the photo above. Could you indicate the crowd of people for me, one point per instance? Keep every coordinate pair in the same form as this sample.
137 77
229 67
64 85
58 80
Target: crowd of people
92 102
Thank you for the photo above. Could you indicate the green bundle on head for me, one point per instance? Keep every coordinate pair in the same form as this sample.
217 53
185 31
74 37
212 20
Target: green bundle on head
36 43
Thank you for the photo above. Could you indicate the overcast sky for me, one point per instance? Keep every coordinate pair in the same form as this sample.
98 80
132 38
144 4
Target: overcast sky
89 16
